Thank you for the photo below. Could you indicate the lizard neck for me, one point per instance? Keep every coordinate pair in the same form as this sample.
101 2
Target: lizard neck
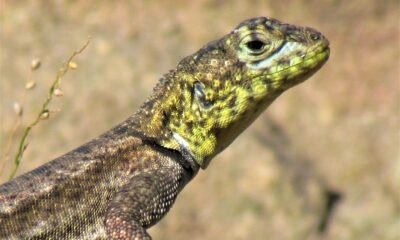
165 109
172 119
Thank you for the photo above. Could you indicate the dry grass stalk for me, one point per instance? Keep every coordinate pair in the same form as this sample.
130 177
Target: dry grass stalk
44 112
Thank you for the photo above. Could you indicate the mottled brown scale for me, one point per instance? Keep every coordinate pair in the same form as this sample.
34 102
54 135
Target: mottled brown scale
123 182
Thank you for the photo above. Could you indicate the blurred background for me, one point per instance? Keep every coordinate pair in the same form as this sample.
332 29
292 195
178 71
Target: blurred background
333 140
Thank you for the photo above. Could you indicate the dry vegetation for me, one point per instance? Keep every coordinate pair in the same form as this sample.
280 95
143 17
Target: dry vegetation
339 131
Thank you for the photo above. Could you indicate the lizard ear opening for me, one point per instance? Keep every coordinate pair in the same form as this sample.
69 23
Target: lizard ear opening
200 95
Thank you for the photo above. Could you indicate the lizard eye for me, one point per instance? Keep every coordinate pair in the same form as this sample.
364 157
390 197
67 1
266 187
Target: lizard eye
256 46
200 95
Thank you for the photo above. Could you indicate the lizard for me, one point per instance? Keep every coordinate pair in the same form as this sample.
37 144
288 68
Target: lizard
121 183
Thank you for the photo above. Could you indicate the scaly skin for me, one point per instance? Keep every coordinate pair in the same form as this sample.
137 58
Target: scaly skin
121 183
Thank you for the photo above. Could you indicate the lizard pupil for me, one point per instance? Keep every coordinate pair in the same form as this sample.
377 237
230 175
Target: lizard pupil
255 45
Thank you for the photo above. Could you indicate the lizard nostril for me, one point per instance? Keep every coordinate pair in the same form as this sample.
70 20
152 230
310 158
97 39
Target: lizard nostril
315 36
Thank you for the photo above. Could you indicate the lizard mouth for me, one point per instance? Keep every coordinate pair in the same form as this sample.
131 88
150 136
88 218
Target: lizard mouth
307 64
318 57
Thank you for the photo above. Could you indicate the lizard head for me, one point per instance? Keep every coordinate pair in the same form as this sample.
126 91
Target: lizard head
221 89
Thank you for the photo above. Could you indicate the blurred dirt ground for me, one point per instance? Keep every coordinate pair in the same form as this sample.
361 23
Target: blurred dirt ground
338 131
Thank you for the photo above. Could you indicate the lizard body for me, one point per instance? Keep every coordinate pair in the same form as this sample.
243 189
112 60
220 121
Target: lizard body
121 183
